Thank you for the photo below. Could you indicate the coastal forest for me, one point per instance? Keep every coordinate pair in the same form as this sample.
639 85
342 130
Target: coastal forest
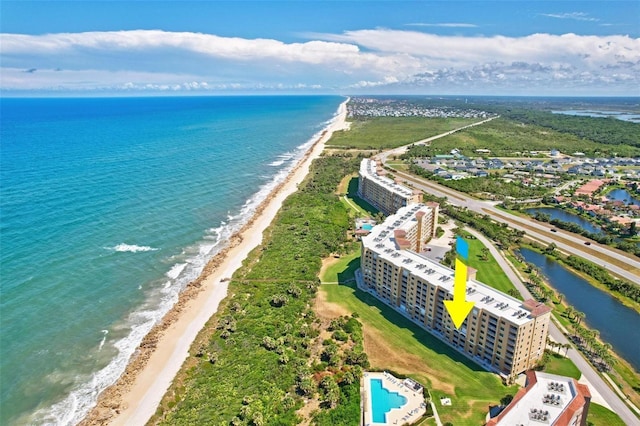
265 350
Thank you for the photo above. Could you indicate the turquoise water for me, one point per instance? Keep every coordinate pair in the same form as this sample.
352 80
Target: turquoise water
383 400
109 208
367 227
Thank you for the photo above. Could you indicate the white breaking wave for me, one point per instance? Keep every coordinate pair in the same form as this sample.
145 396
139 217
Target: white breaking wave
175 271
104 339
187 267
282 158
132 248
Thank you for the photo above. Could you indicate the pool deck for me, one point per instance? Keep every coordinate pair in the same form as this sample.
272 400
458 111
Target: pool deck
408 413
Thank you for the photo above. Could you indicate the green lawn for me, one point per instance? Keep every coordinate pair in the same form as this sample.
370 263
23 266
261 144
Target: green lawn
489 272
562 366
392 132
361 206
506 138
601 416
343 270
444 371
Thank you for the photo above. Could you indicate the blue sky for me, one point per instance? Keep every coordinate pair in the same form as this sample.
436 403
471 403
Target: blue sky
433 47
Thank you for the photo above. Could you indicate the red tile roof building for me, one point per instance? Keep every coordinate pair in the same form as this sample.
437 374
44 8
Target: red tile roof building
547 399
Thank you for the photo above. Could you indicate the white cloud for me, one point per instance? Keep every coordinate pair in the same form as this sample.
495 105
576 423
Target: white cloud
443 25
363 59
576 16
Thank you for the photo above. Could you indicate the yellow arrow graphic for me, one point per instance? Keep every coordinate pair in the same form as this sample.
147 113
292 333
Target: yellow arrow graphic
459 308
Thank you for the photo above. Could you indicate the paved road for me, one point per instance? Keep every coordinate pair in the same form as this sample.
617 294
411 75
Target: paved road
612 399
597 253
401 150
543 234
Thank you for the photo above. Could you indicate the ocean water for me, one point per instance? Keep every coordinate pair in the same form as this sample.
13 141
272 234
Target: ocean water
108 208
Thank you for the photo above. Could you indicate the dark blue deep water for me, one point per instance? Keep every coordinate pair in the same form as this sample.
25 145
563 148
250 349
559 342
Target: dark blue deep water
617 324
109 207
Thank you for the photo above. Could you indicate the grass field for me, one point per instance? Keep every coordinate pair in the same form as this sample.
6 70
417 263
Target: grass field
391 132
394 343
601 416
489 272
342 270
562 366
508 138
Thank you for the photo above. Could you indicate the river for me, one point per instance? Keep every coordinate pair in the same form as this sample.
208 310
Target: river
617 324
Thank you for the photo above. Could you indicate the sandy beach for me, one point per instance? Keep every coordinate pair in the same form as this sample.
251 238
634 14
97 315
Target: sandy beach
133 399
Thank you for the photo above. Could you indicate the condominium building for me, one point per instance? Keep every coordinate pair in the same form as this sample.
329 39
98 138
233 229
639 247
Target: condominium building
547 399
383 193
501 333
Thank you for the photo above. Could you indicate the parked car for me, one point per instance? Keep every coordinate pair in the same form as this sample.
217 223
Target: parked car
588 243
554 230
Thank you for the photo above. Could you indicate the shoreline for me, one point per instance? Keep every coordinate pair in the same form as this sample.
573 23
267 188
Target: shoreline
135 396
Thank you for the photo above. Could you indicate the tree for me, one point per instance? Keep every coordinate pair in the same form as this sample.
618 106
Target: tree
570 311
580 316
513 292
560 297
484 254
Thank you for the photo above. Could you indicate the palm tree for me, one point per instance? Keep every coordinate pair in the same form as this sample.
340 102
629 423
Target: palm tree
484 254
569 311
566 347
580 316
560 297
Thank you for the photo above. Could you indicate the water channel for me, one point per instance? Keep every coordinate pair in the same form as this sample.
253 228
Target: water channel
617 324
565 216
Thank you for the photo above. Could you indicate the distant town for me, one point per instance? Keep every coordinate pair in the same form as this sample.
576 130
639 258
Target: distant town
378 107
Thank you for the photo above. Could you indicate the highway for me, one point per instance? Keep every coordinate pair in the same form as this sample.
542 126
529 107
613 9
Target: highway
615 261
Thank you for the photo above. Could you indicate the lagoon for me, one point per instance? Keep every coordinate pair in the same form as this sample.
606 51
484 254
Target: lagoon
620 115
617 324
622 195
565 216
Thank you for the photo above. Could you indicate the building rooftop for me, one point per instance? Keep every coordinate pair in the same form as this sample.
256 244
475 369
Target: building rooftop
547 399
383 240
369 168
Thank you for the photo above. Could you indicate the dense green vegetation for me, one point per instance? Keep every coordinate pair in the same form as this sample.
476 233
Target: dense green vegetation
498 232
490 187
509 137
608 131
253 364
392 132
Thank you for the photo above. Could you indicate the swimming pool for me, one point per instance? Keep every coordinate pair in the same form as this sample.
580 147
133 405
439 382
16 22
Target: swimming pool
367 227
383 401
